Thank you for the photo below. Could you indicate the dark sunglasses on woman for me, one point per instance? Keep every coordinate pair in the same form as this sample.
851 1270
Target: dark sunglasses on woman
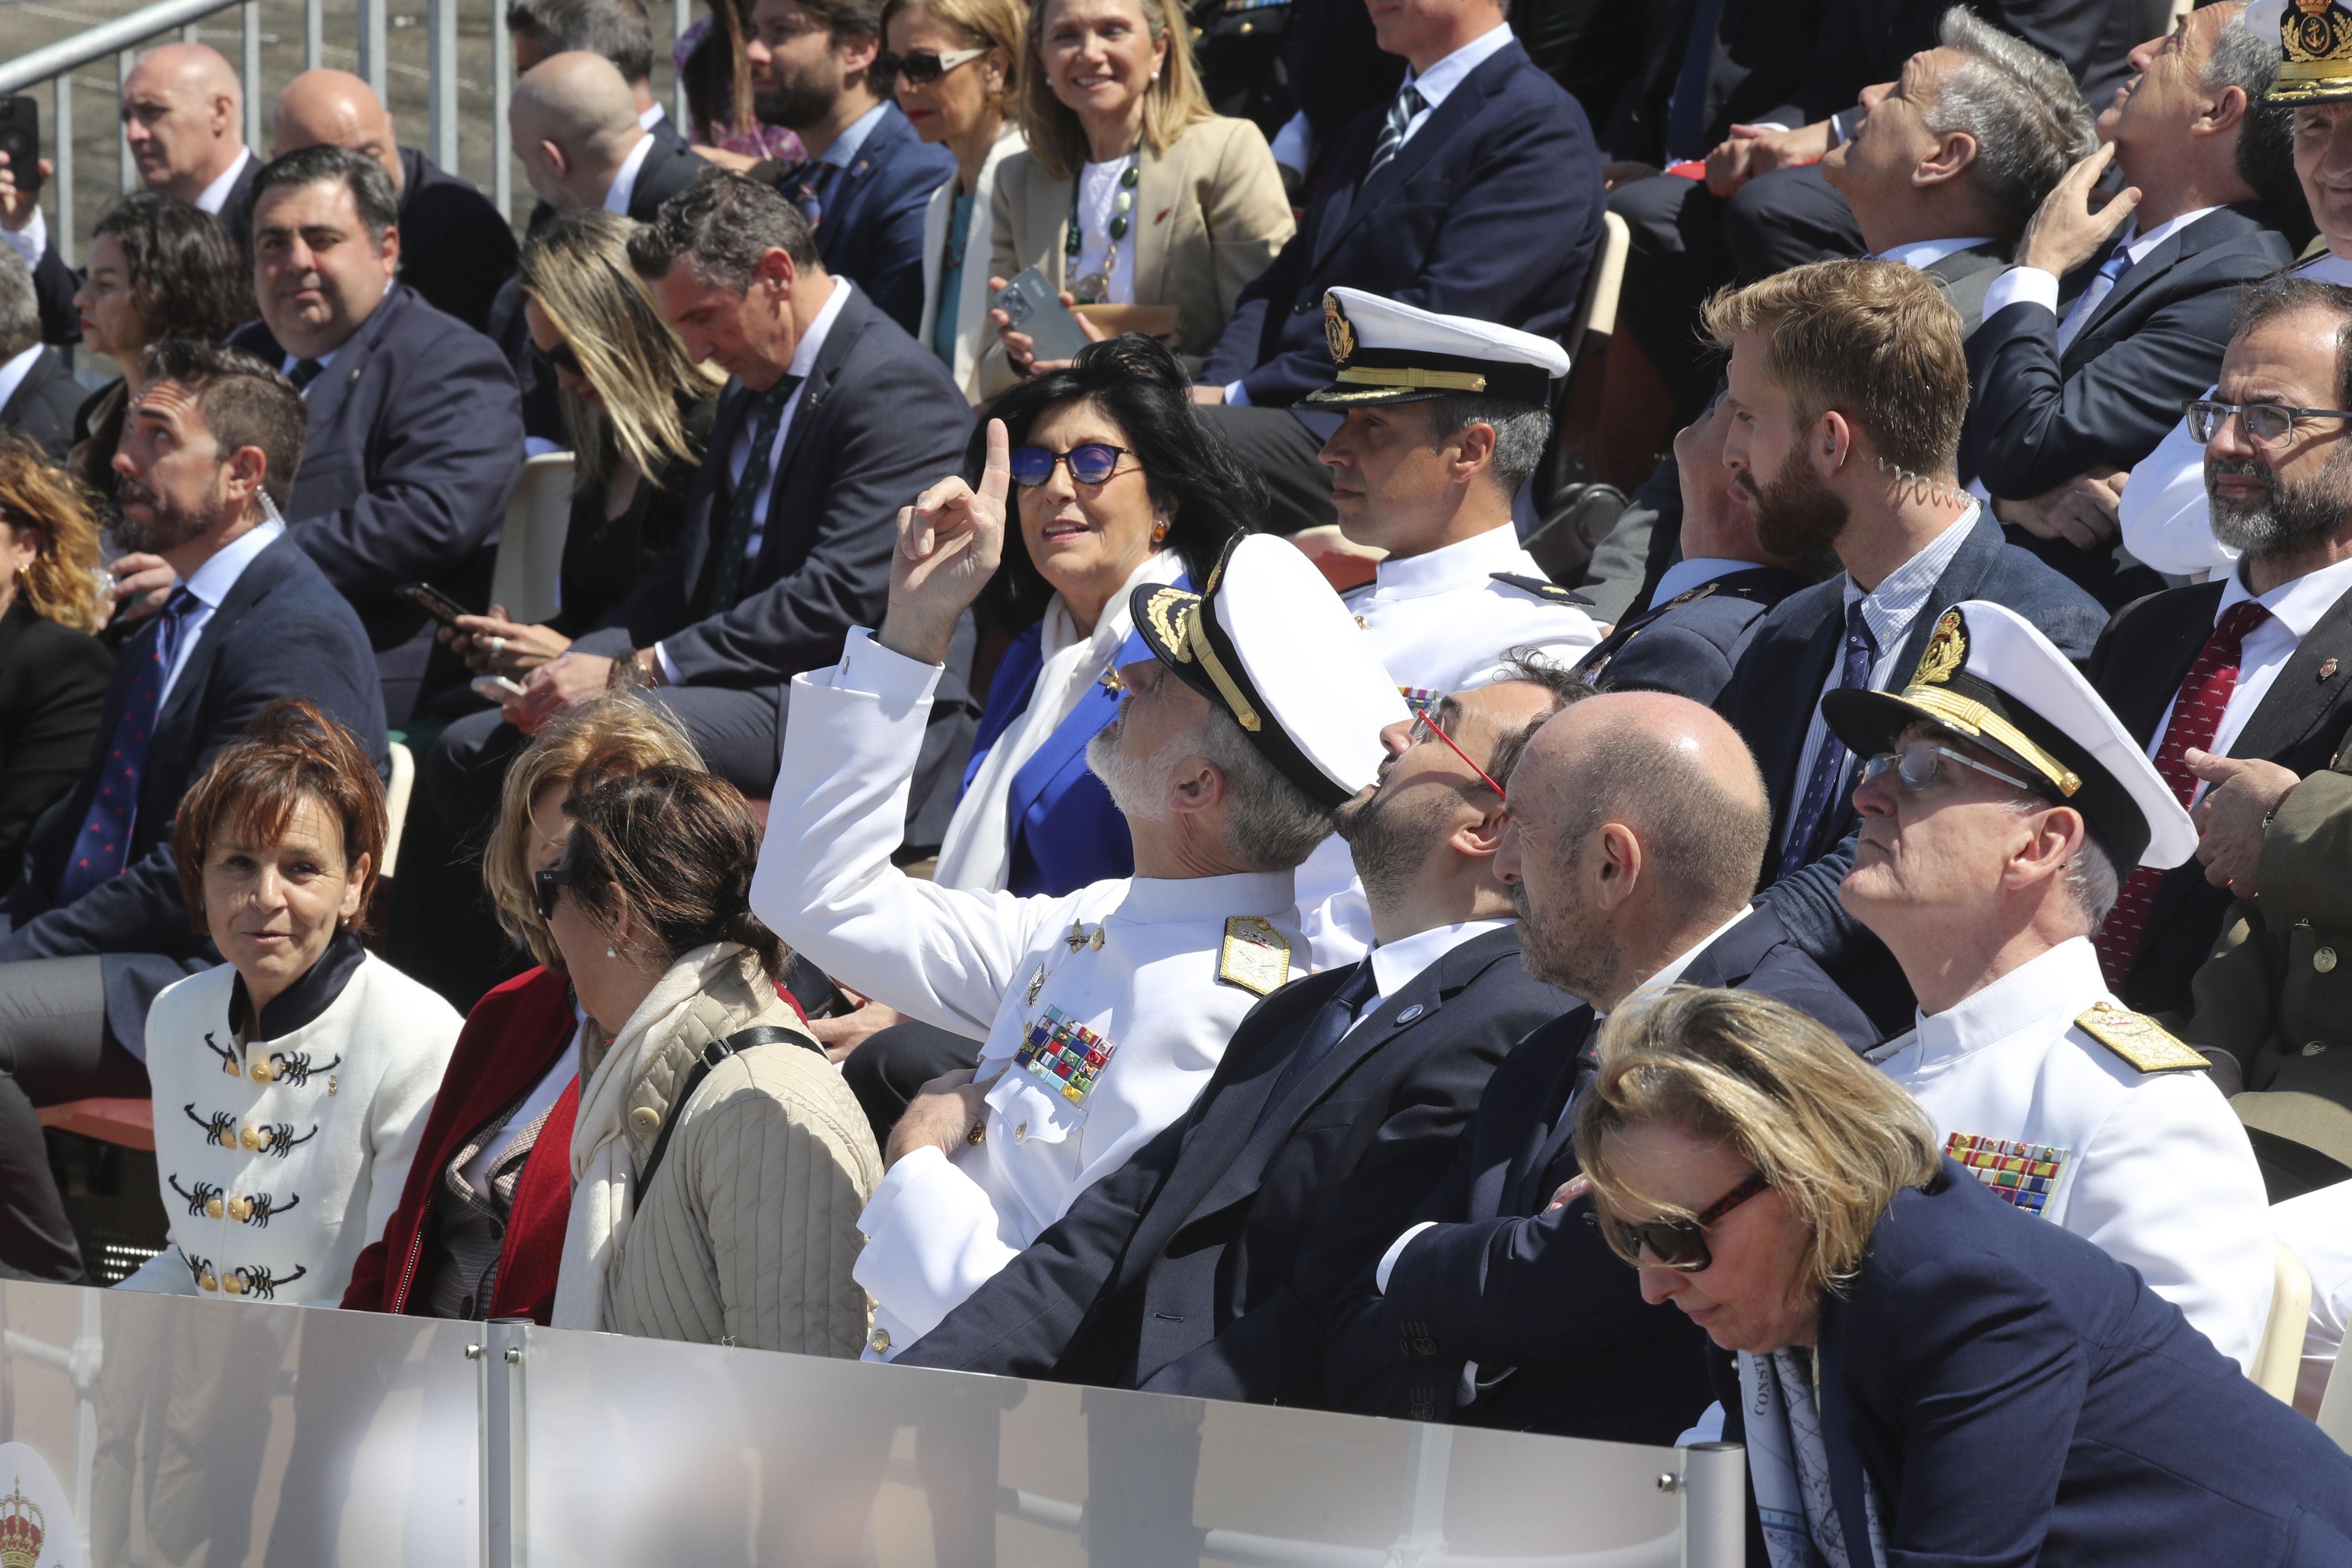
1677 1244
1091 464
548 886
560 357
923 67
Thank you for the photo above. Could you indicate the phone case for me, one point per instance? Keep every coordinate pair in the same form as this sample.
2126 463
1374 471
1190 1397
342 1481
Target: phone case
1033 308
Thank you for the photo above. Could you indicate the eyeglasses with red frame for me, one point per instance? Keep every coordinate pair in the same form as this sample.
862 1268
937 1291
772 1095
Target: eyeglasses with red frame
1424 726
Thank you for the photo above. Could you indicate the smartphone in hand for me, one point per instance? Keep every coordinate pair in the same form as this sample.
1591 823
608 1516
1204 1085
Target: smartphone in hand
497 687
433 602
1030 303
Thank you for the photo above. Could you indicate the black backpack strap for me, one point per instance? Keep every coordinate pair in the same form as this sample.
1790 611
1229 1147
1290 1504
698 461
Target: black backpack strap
714 1053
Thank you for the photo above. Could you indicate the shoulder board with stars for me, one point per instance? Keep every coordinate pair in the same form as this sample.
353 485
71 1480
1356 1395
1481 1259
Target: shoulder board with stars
2138 1039
1255 957
1537 589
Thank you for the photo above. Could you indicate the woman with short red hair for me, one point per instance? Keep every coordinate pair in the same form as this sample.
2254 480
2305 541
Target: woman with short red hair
292 1082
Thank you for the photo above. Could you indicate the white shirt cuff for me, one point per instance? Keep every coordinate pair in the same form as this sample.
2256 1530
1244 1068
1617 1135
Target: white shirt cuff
2021 285
1293 145
1395 1251
669 670
539 447
30 241
1237 395
869 667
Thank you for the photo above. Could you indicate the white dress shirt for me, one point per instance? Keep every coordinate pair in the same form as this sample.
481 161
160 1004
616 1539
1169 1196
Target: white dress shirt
1127 968
625 179
1888 610
1920 255
210 585
2294 608
2155 1168
216 196
12 374
650 118
2033 285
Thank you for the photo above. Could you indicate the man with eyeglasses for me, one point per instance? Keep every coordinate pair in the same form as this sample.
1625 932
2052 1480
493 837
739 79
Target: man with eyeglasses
2233 685
1637 823
1207 1265
2001 803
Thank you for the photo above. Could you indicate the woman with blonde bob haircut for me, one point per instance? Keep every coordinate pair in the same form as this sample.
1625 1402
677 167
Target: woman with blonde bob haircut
1133 190
53 672
1926 1371
638 411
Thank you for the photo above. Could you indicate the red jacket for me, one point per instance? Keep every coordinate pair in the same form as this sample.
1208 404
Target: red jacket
514 1035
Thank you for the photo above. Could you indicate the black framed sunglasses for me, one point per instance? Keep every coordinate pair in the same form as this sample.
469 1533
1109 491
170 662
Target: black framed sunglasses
922 67
1679 1244
560 357
2265 424
1091 463
548 885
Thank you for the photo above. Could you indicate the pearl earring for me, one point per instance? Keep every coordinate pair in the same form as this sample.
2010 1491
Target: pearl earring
610 953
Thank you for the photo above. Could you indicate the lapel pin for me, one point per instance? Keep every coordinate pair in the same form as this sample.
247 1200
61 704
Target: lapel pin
1164 215
2327 669
1409 1013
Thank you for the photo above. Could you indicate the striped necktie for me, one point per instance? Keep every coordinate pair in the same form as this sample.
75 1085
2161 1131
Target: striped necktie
1408 103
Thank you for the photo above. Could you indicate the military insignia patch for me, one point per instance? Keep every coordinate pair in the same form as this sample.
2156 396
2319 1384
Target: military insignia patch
1338 334
1067 1054
1255 957
2024 1174
2139 1040
1947 651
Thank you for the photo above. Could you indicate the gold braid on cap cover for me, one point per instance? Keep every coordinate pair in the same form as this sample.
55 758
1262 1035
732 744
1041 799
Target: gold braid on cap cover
1198 638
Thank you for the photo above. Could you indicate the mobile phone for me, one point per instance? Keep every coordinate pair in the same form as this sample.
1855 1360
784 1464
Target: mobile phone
495 687
20 138
433 602
1030 303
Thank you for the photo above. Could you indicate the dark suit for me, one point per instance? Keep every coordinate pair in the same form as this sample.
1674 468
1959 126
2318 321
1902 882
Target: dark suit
42 408
1688 645
1207 1264
1491 210
1538 1299
53 684
869 215
2016 1395
1755 59
416 443
455 248
282 630
2300 724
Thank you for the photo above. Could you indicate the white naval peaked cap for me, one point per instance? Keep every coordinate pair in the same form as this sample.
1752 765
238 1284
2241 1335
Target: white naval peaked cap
1989 675
1388 353
1271 644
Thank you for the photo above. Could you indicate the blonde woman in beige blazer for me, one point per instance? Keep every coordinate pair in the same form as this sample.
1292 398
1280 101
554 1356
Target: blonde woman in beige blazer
1203 207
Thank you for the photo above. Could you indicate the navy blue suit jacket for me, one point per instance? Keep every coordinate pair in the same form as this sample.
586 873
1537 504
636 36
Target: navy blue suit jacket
1688 645
282 630
869 226
415 444
1492 210
1208 1263
2017 1395
879 420
455 248
2037 417
1537 1296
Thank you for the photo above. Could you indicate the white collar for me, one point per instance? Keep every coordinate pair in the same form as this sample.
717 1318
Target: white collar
215 196
1920 255
1902 592
2297 603
1465 563
652 117
1684 575
1438 82
12 374
212 581
1673 972
624 178
2136 245
2062 982
1394 964
811 342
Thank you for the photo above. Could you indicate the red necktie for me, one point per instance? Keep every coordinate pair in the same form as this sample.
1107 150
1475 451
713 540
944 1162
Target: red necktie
2196 716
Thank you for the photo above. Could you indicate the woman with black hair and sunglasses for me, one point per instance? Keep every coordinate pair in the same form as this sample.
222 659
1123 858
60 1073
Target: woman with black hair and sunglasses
1118 483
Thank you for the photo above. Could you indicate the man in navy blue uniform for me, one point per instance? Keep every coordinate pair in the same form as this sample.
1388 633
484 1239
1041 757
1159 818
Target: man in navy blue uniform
1475 192
416 424
95 925
1637 821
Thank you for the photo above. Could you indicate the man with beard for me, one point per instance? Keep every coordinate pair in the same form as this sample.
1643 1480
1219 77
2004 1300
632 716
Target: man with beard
1848 385
2235 682
1207 1265
868 178
1637 822
95 925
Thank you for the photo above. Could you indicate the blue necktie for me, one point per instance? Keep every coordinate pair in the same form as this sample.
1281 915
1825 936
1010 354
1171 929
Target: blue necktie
1861 653
1408 103
2093 297
1686 110
1331 1026
102 847
809 186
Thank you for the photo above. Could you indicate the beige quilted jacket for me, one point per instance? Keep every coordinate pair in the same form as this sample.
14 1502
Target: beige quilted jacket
749 1232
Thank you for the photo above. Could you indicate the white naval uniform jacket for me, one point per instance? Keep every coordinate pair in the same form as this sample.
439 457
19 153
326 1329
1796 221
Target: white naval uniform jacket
1136 1020
316 1152
2153 1167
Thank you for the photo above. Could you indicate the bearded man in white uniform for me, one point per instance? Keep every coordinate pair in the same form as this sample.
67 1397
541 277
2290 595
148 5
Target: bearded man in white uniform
1103 1012
2001 804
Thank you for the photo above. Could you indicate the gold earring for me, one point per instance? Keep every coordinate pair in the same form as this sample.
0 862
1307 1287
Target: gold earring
1159 531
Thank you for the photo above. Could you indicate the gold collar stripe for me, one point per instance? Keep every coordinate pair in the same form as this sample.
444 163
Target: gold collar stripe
1198 639
1972 718
1443 380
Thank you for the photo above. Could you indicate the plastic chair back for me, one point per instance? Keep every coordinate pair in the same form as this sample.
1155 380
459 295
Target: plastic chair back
2278 1360
531 546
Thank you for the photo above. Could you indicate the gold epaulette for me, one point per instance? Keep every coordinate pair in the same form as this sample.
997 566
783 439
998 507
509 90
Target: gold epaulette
2137 1038
1255 957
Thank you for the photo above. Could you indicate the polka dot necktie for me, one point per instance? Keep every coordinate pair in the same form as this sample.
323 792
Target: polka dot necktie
2196 717
102 847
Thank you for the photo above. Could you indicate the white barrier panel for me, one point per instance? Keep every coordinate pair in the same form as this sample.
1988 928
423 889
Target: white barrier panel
168 1430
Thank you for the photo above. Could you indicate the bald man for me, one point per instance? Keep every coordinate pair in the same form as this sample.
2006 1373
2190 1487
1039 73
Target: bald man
575 127
1637 826
455 250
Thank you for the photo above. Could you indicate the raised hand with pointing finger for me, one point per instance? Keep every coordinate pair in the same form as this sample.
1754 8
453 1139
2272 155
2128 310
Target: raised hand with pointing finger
949 542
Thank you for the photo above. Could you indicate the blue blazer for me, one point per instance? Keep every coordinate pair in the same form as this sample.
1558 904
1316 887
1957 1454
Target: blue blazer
871 228
1492 210
2019 1396
1064 831
1688 645
416 443
281 631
